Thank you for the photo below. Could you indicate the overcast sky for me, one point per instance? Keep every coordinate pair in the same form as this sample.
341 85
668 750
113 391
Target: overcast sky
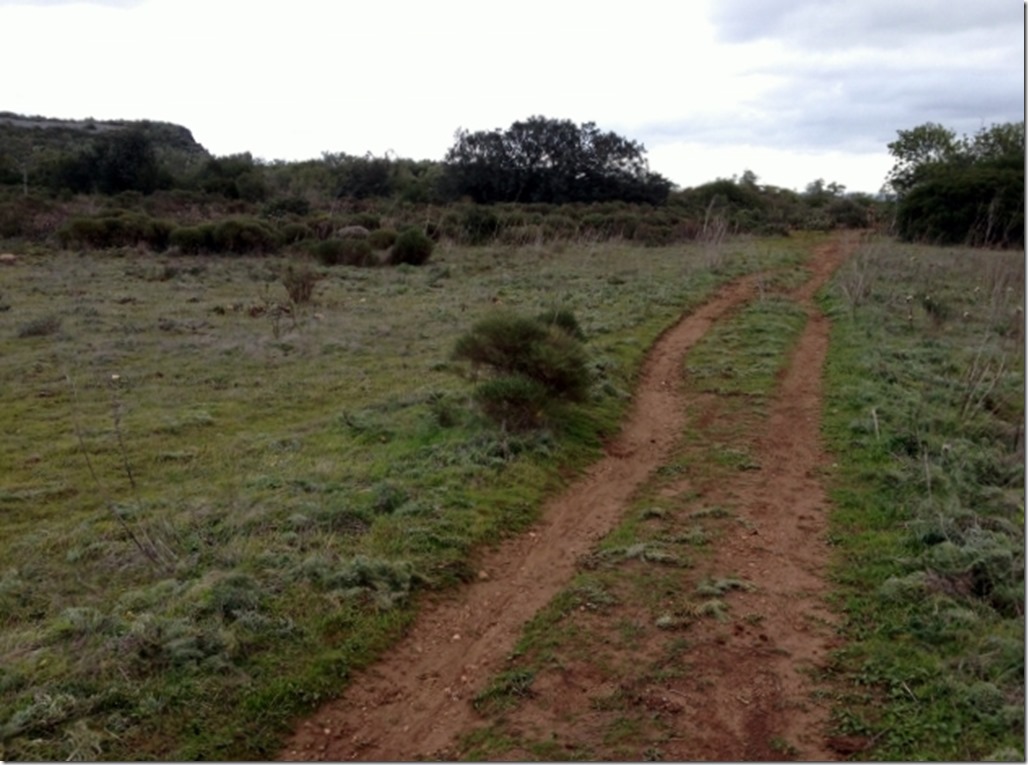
791 89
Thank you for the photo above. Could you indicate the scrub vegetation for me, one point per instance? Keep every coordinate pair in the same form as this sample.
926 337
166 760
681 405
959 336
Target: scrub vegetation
220 502
925 412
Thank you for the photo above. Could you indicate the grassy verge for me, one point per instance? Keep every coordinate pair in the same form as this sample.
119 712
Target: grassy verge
925 413
587 678
216 505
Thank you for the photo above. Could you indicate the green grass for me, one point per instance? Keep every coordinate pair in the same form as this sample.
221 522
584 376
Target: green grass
925 415
742 357
213 512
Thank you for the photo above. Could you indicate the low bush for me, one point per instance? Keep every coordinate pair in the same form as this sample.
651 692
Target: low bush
291 233
478 225
343 252
28 217
243 235
382 238
653 235
534 361
299 279
515 401
194 240
560 227
119 228
368 220
521 235
412 247
563 319
284 206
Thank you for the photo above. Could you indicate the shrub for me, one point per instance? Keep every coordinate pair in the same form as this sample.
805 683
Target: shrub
368 220
560 227
299 280
286 206
343 252
545 356
243 235
479 225
563 319
517 402
412 247
119 228
291 233
322 226
27 216
382 238
653 235
522 235
194 240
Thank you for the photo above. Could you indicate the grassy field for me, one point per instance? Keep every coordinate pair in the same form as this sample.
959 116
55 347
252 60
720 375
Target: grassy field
215 505
925 412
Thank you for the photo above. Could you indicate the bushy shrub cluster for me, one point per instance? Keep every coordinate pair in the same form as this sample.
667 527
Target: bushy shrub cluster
116 229
979 205
343 252
412 247
382 239
286 206
534 363
236 236
299 279
28 216
967 190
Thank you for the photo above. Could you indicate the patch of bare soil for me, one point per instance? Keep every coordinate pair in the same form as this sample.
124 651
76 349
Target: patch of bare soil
415 702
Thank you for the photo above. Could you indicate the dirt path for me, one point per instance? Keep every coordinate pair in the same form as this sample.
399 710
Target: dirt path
414 703
748 693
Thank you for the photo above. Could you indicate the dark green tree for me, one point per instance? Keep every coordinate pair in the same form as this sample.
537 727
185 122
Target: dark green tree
554 161
918 151
122 160
361 177
960 190
235 176
126 161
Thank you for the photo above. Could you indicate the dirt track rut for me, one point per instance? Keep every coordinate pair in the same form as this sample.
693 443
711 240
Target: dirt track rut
415 701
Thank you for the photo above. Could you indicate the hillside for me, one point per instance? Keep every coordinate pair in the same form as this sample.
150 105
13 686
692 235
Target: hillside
44 139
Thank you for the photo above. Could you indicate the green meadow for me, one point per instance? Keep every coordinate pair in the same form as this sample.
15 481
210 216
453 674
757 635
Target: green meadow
217 503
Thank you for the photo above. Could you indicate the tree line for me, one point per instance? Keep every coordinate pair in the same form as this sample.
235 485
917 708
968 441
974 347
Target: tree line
960 190
946 189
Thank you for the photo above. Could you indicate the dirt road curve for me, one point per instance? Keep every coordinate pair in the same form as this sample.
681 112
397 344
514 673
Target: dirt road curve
415 702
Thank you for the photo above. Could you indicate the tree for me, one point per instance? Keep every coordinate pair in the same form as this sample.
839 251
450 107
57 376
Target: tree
547 160
22 154
967 190
996 142
126 161
918 151
235 176
123 160
361 177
